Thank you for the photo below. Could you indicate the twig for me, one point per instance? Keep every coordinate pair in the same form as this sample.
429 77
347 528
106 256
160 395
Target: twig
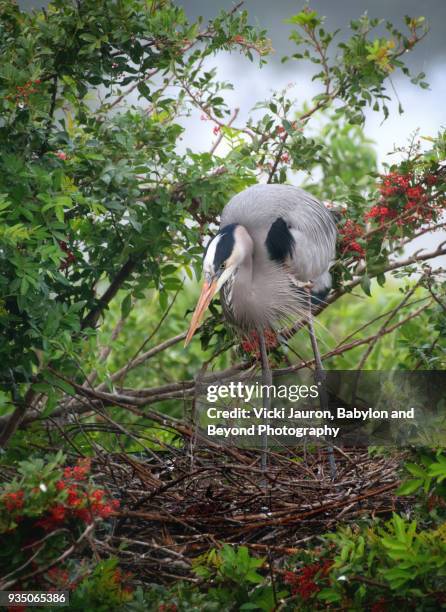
155 331
378 336
14 420
41 570
220 136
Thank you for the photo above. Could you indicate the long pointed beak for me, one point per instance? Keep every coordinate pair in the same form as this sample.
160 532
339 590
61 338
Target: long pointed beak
207 293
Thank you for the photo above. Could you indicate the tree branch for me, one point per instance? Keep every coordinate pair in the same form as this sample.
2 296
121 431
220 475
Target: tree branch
13 421
123 274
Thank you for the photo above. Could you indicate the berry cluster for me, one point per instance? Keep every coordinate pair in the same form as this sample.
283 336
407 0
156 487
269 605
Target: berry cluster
349 234
70 256
121 579
71 496
116 580
239 39
379 605
303 582
81 502
261 48
60 578
14 501
283 133
251 342
23 92
407 198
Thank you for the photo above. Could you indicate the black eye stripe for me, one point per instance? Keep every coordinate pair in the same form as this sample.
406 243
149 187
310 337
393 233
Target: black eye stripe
225 245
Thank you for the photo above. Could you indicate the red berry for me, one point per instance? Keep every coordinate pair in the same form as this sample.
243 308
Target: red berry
58 512
431 179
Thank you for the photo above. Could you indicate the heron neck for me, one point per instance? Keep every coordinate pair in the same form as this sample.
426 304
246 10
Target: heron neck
237 293
243 278
241 292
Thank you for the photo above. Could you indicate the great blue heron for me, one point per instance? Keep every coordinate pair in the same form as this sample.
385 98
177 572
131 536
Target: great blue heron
270 259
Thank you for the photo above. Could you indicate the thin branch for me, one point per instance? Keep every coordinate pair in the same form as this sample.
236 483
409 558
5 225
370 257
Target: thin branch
355 343
220 136
436 298
302 118
377 318
143 357
377 338
155 331
390 266
123 274
14 420
41 570
132 88
205 109
382 329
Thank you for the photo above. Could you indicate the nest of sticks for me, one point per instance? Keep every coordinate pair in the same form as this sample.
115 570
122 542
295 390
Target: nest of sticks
178 503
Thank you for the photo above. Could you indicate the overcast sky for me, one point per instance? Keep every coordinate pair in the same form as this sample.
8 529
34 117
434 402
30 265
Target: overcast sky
424 109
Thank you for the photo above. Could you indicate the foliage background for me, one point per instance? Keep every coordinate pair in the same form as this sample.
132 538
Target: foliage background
105 212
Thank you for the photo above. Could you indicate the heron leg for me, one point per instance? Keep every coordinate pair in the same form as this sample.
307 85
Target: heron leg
320 377
267 379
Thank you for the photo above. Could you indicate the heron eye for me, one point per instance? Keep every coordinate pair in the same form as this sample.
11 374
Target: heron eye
222 266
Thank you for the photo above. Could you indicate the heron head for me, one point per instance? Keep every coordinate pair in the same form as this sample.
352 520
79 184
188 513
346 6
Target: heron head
223 255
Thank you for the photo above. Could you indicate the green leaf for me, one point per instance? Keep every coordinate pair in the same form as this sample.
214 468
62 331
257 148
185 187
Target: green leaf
126 306
381 279
42 387
329 595
304 18
59 383
416 470
59 214
409 486
254 577
365 284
